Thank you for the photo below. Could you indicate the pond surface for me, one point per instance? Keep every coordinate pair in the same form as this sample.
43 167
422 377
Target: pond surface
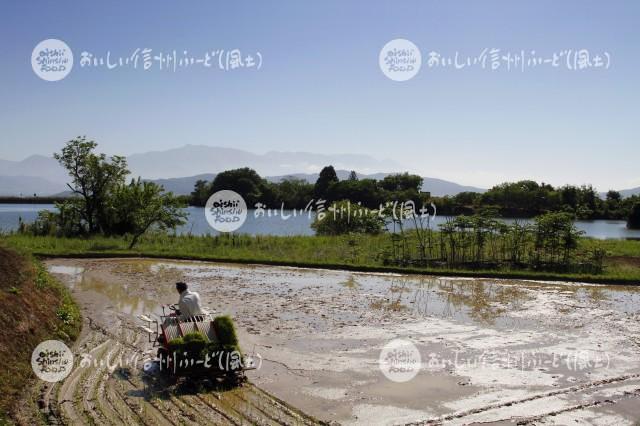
286 223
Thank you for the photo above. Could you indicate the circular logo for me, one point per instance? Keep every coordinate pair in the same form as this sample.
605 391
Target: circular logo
52 59
399 360
225 211
400 60
52 361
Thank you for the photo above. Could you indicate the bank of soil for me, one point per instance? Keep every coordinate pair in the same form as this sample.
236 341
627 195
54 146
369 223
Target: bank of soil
491 350
31 307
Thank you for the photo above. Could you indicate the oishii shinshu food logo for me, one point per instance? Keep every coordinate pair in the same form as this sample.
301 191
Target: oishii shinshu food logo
226 211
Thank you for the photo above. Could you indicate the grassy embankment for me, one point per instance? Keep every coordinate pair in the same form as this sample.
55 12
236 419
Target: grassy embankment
622 264
33 308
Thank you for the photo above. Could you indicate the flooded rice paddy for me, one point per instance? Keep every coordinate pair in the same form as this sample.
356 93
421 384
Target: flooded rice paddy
491 350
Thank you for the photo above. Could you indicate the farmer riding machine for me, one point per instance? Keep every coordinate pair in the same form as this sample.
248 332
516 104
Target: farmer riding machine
202 346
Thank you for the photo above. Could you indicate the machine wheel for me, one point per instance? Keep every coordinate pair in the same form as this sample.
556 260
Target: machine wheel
234 378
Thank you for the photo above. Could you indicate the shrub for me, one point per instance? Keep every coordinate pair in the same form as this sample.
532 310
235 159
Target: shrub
65 314
344 218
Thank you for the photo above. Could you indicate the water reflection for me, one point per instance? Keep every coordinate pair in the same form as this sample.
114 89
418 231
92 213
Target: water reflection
476 300
350 283
487 301
120 295
491 302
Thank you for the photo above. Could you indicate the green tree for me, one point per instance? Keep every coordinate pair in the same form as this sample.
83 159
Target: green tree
93 176
326 178
613 196
402 187
569 196
293 193
245 181
633 222
139 206
365 191
466 198
556 237
401 182
201 192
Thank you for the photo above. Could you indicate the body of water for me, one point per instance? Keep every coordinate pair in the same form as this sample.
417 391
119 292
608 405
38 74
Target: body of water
290 224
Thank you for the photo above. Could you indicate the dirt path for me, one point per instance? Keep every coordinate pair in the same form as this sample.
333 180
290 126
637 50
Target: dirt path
491 351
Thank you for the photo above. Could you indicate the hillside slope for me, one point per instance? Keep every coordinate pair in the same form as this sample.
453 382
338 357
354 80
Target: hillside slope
33 308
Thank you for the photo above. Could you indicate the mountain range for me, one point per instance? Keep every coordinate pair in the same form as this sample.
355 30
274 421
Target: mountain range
186 161
178 169
192 160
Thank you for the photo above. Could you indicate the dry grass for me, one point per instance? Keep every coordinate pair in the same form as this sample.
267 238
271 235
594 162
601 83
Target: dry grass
32 309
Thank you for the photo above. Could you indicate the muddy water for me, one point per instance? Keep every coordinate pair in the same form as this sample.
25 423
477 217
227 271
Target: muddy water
490 350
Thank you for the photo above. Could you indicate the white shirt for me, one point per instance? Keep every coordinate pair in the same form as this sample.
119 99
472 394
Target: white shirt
189 304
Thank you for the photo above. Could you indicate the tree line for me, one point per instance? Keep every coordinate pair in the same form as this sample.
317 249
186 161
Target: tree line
528 198
524 198
293 193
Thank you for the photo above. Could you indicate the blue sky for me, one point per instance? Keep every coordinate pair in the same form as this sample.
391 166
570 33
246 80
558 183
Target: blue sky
321 90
